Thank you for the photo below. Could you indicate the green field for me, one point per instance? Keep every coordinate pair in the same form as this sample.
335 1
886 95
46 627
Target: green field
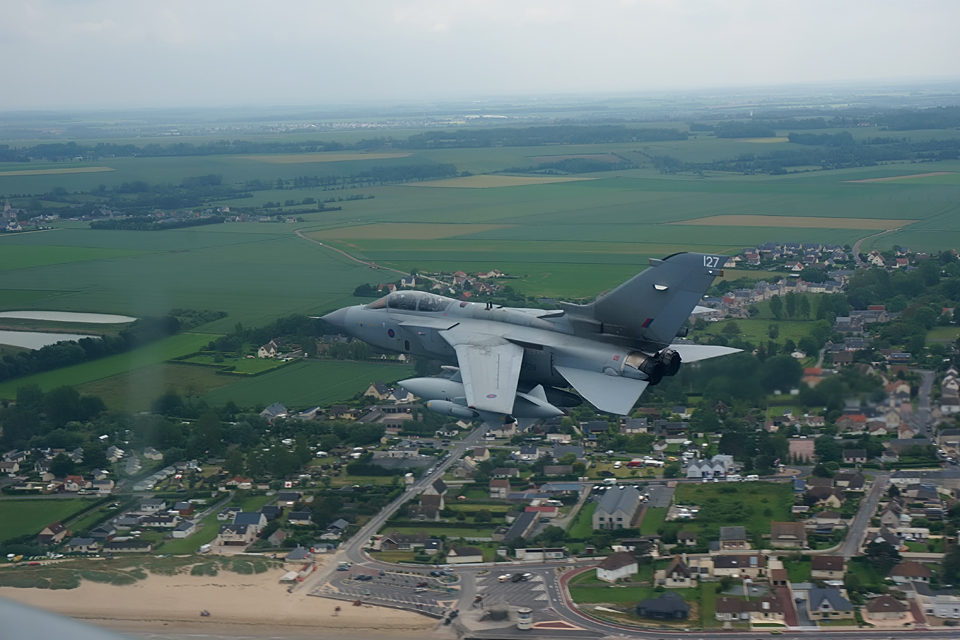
23 517
582 525
652 520
764 502
136 389
110 366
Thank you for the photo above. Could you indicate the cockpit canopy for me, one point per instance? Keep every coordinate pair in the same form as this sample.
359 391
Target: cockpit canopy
411 301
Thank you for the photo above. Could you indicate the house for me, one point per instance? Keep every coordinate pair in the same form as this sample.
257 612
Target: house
397 541
240 483
183 509
82 545
617 508
480 454
228 514
298 554
52 533
377 390
132 545
854 456
159 522
850 480
464 555
827 567
288 499
909 571
752 565
505 472
616 566
669 606
527 453
271 511
688 538
104 532
432 546
826 496
677 575
277 537
521 526
553 470
9 467
270 349
733 538
499 488
185 529
828 604
152 454
791 535
236 534
152 505
540 554
763 609
827 518
302 517
276 410
779 578
886 608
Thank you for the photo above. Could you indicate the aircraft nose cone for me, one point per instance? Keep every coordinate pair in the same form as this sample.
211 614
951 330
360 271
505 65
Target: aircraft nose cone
337 318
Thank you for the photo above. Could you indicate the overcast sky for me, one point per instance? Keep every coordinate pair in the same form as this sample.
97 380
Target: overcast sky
61 54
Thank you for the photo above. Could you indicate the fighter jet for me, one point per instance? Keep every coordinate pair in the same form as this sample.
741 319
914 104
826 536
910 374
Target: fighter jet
515 363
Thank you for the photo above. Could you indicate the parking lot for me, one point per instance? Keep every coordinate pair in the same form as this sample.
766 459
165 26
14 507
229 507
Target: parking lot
417 591
526 593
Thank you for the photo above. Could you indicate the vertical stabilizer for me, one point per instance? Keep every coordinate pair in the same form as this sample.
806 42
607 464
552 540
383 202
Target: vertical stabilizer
653 305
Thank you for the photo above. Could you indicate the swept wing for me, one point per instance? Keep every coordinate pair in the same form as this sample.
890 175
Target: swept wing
490 368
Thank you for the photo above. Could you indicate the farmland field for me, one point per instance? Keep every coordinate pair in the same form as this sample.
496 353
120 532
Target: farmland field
490 182
23 517
397 231
53 172
296 158
79 374
136 389
798 222
306 384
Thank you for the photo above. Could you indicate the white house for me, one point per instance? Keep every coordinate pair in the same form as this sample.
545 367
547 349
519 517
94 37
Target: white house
617 566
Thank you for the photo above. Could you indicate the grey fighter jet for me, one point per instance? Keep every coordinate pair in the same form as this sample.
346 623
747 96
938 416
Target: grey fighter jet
517 363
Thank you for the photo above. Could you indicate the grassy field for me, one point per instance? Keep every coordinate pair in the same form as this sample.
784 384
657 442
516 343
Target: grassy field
23 517
210 528
306 384
765 502
582 525
110 366
652 520
136 389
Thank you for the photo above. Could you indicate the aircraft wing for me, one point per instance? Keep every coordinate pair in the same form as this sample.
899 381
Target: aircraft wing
612 394
696 352
490 368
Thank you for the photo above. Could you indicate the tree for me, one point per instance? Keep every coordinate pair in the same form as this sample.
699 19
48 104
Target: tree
210 431
731 328
234 463
776 307
62 466
790 302
672 470
893 491
951 566
482 516
773 331
803 307
883 556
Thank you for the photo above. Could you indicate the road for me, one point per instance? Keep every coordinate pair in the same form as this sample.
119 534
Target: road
856 247
352 549
851 545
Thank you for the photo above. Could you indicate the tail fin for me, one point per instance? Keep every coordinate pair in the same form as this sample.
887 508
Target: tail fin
653 305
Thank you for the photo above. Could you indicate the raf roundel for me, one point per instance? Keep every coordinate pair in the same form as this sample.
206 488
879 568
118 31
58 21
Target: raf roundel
390 333
491 395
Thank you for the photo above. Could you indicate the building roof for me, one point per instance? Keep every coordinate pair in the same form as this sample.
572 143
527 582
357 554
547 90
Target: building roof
678 566
617 560
687 535
885 604
826 563
733 533
833 596
246 517
779 575
619 499
465 551
727 604
747 561
910 569
787 531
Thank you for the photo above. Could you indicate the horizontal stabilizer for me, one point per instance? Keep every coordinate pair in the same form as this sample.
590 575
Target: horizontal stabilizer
696 352
612 394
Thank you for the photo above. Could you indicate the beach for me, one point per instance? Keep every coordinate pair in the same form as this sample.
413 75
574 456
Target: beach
240 606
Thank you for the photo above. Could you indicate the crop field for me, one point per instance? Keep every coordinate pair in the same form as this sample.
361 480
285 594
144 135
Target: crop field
54 172
307 384
914 176
14 256
299 158
601 157
756 498
798 222
79 374
23 517
135 390
399 231
489 182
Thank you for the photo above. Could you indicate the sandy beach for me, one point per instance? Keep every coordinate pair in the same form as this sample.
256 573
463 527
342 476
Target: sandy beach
239 605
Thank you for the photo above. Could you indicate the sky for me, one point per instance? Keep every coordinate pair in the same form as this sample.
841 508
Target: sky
68 54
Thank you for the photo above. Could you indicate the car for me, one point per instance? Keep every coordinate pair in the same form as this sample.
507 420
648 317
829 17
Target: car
545 520
419 590
343 567
436 574
517 577
504 577
422 584
527 576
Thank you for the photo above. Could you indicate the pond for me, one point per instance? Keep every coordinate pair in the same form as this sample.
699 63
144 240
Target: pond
37 339
67 316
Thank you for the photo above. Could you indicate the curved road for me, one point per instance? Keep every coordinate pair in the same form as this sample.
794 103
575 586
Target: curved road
856 247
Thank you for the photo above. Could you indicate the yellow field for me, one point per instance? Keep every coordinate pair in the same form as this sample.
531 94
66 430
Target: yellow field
915 175
799 222
766 140
490 182
402 231
50 172
297 158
